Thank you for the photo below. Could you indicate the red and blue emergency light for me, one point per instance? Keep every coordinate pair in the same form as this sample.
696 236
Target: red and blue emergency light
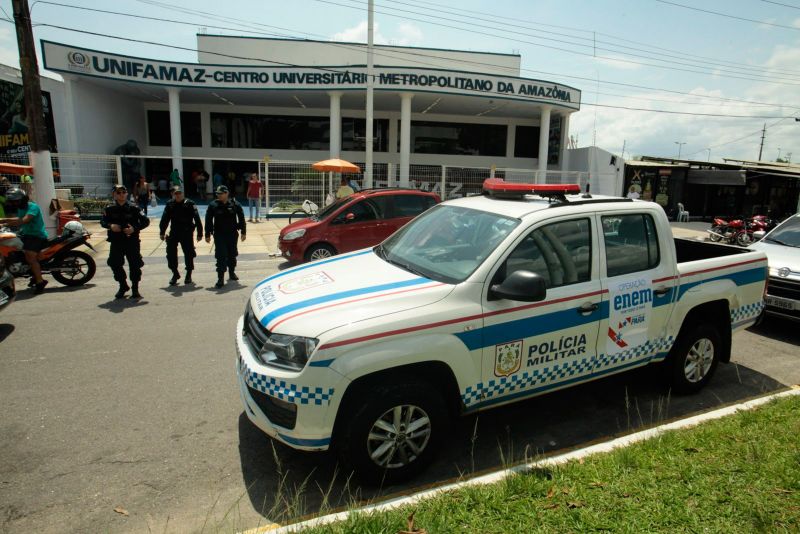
497 187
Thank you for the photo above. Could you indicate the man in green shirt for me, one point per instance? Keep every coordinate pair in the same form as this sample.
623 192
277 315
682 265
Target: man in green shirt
31 231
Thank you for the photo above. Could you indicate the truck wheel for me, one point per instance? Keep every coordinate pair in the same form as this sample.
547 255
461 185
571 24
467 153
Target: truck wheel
394 433
319 252
694 358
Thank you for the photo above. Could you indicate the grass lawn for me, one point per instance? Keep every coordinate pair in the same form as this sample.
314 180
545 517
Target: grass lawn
736 474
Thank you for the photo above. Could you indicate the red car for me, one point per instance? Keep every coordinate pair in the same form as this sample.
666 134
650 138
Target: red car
361 220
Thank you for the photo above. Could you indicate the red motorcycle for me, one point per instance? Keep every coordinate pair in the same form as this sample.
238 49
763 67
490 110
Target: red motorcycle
740 230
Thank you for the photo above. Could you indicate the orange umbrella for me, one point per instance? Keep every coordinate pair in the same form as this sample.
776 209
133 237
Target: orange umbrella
12 168
335 165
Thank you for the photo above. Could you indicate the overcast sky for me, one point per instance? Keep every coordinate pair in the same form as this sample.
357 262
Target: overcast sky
724 67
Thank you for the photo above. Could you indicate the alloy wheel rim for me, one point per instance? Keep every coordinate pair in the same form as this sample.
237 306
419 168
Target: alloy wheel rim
399 436
699 360
321 253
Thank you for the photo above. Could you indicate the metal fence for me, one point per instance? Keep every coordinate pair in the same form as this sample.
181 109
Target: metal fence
286 183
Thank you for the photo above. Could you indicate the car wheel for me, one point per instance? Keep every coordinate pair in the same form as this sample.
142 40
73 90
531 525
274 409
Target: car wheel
394 433
694 357
319 252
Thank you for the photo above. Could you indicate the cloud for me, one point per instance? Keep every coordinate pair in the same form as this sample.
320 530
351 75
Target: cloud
655 134
405 35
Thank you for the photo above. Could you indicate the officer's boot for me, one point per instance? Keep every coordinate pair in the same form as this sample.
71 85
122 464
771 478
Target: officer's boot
231 274
175 277
188 279
123 288
220 280
135 291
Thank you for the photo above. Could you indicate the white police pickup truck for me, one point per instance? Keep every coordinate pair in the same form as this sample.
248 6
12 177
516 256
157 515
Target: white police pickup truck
479 302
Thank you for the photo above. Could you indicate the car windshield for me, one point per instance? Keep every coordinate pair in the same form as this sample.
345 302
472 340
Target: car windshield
788 233
446 243
330 208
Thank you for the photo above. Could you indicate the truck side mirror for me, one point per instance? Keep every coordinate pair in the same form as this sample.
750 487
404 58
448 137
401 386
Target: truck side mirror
522 285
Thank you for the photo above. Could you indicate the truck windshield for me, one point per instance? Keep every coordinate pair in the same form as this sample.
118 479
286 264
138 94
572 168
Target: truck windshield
788 233
446 243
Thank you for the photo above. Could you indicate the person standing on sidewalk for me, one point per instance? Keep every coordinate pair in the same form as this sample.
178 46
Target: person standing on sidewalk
224 219
253 195
182 214
124 221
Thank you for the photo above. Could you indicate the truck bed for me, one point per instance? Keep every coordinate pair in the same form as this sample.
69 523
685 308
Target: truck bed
687 250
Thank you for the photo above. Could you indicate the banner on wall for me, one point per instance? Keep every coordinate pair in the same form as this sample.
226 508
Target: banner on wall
14 134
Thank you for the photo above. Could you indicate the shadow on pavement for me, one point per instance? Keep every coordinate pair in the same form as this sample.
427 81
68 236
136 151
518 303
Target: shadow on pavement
116 305
5 331
779 329
556 422
53 288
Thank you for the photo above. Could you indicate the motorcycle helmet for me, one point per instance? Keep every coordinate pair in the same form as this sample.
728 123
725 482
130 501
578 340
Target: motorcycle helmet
16 198
73 228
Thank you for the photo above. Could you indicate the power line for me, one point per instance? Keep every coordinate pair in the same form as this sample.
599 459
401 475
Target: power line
729 16
472 30
780 4
639 46
329 69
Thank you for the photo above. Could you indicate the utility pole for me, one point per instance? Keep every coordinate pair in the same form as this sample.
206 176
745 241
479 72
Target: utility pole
370 101
37 130
761 148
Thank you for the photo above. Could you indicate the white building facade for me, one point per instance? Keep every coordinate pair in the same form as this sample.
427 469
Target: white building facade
295 100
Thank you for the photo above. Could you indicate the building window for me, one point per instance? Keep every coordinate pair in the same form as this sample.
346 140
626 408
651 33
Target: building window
354 134
458 139
526 142
236 130
158 128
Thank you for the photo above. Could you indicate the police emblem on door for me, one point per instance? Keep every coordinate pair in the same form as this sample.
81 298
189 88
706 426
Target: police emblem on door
507 358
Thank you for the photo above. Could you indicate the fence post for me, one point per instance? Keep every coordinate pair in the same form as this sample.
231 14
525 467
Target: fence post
119 170
266 187
444 183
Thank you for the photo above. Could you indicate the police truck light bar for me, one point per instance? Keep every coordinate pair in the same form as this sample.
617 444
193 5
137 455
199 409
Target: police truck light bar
499 188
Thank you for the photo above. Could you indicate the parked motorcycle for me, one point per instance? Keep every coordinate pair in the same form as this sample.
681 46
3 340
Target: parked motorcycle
58 257
739 231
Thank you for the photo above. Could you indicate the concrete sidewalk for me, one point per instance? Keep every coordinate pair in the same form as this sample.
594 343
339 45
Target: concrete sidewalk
262 240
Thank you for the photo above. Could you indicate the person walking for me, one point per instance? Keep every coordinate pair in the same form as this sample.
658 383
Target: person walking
253 195
142 192
181 213
124 221
175 178
31 231
224 220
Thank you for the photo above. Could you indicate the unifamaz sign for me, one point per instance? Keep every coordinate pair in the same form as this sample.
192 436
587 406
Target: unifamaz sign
84 62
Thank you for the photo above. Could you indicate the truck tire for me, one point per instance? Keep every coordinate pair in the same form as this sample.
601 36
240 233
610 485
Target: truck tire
694 357
394 432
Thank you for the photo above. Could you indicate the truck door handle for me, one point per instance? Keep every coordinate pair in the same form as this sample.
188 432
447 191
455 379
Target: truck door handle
660 292
588 308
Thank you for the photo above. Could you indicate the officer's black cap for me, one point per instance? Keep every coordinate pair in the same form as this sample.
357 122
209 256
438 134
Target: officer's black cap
177 189
119 187
221 189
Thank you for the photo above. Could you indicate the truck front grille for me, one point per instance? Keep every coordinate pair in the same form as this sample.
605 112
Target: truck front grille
254 333
782 287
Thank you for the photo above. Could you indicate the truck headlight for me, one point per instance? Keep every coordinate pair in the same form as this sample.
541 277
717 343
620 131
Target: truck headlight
294 234
287 352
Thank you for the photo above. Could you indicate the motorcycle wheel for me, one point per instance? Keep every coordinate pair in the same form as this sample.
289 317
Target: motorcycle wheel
78 267
744 239
716 238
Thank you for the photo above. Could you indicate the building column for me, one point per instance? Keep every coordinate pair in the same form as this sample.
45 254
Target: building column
544 138
511 140
70 117
175 128
565 142
336 124
405 137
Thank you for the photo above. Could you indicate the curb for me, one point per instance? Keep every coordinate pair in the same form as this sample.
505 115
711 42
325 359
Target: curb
497 476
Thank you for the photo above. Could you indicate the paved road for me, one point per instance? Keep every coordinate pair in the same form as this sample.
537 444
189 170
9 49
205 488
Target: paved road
117 404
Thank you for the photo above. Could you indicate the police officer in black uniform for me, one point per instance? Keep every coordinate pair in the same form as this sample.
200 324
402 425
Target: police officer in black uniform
181 212
224 218
124 221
